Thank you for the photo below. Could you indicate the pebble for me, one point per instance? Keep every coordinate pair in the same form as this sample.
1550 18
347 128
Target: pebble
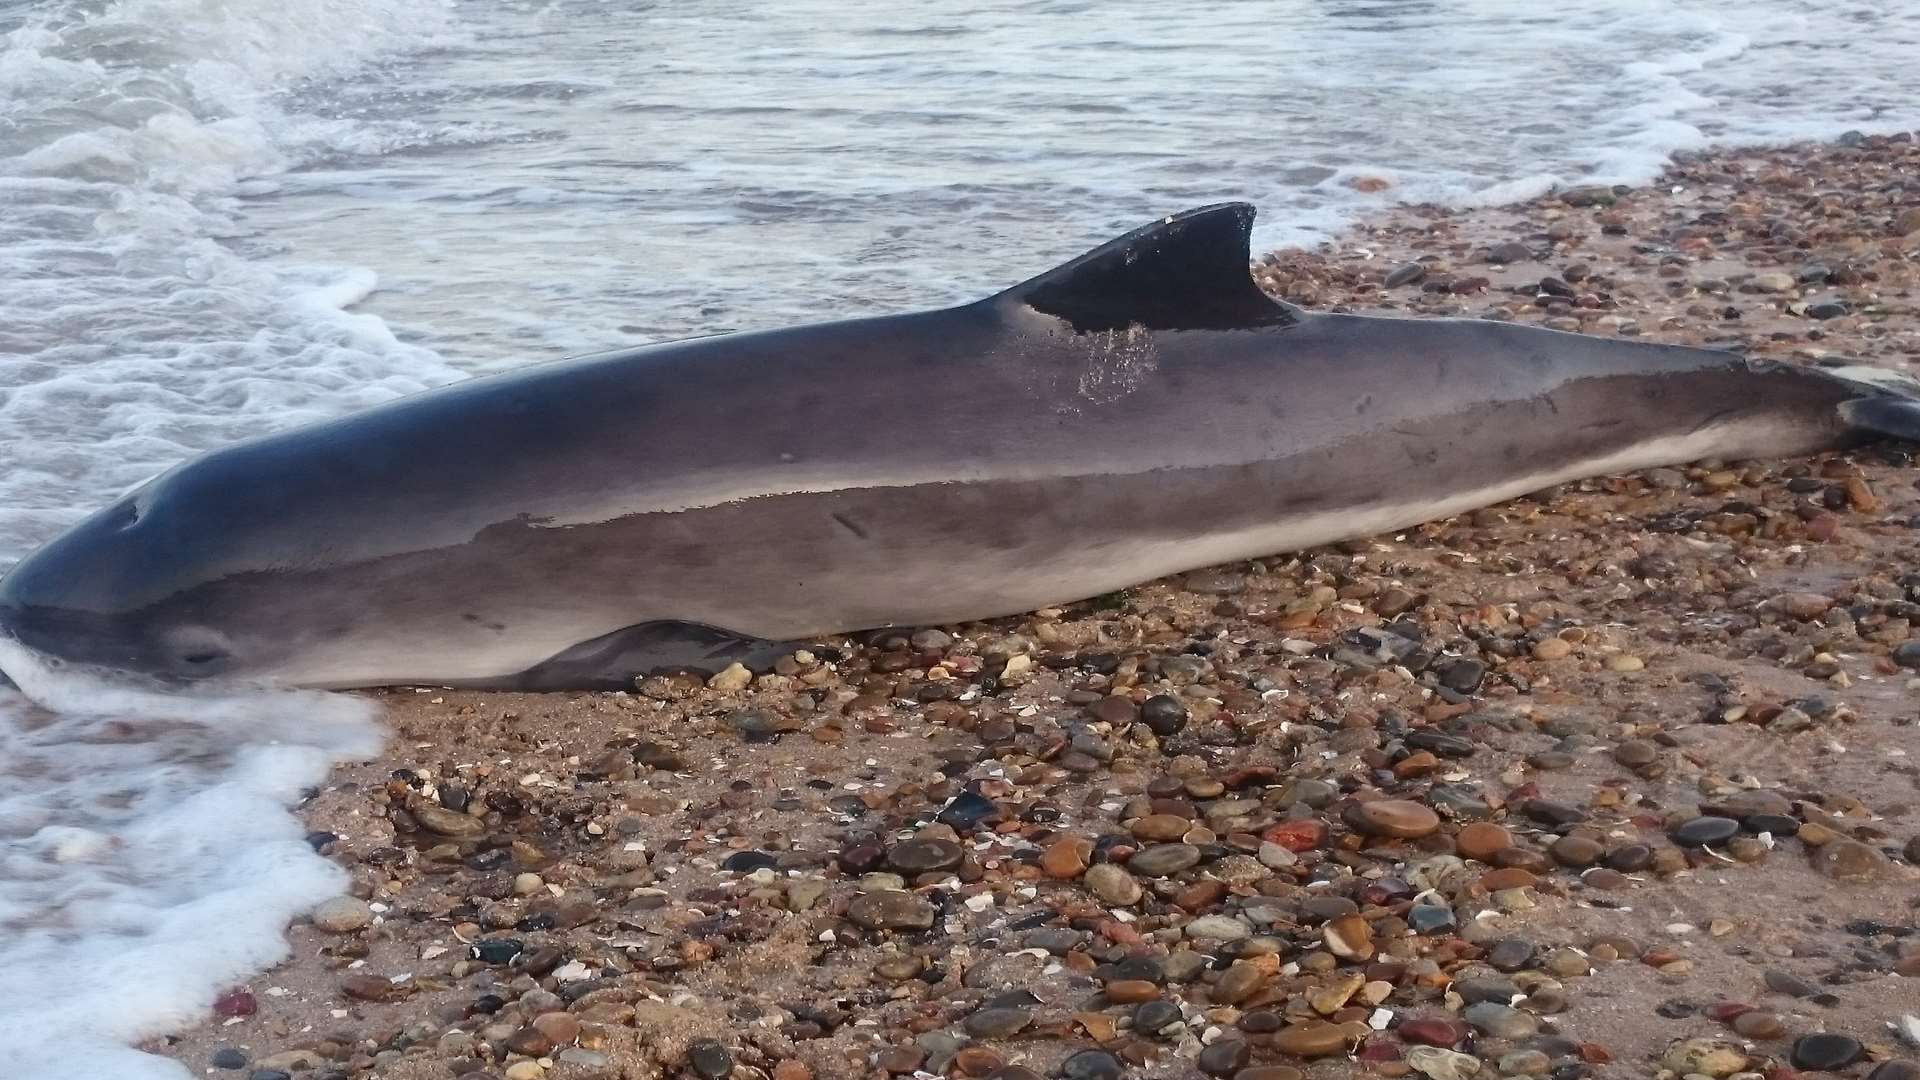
1164 860
1895 1070
1567 963
1430 918
997 1023
1092 1065
1349 937
1113 885
1066 858
1164 715
1161 827
1849 860
1399 818
1239 982
444 822
1786 982
1482 840
1432 1031
228 1057
1636 753
343 915
1759 1024
1552 648
366 987
923 856
1702 831
891 909
710 1060
1217 928
1576 851
1826 1051
1314 1038
1224 1058
1131 991
1510 954
732 679
1404 274
1512 251
1524 1063
1708 1057
1442 1064
1500 1021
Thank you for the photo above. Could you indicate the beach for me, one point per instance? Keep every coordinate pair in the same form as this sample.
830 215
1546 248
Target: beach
1621 779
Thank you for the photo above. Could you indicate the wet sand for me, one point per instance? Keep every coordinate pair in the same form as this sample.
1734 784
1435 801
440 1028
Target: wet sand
1616 778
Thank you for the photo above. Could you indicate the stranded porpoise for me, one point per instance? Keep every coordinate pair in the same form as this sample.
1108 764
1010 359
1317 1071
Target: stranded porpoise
1142 410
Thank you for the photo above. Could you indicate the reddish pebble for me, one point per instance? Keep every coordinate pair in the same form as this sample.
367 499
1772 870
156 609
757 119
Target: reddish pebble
1298 837
1725 1011
1378 1050
1432 1031
237 1002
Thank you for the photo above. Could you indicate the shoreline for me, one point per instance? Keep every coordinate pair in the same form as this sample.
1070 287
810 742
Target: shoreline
809 877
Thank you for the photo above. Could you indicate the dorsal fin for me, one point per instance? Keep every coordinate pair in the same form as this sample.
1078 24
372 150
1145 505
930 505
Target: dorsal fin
1186 272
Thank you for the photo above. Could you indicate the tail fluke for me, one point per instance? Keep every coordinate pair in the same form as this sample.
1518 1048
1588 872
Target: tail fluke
1889 401
1892 417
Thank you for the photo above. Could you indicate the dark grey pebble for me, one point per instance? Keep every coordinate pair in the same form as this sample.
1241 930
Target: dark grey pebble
1474 991
1702 831
496 950
1549 812
925 856
1786 982
1440 742
1510 954
997 1023
1164 860
1430 918
1512 251
1092 1065
1404 274
745 862
228 1057
967 810
710 1060
1151 1016
1225 1057
1058 940
1825 1051
1164 714
1777 824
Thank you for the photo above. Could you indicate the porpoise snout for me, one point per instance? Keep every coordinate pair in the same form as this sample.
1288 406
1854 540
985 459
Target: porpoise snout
59 636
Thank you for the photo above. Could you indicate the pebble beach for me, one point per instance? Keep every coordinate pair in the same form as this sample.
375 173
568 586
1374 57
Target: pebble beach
1618 780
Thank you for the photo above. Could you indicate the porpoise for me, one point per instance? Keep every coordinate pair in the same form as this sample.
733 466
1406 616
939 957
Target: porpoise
1142 410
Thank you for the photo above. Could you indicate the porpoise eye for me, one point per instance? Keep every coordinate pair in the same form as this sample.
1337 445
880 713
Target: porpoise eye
197 650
